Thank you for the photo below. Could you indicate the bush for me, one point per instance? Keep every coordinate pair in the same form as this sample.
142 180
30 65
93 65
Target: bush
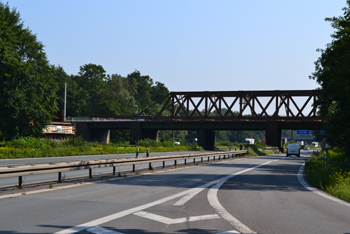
75 142
334 176
31 142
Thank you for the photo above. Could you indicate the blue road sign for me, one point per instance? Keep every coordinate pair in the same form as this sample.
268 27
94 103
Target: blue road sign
303 132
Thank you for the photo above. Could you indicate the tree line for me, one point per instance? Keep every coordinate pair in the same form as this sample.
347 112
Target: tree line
32 90
332 73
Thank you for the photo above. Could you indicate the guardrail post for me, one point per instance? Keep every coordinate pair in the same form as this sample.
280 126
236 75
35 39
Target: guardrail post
20 181
90 173
214 157
113 170
137 152
201 159
219 157
194 160
185 161
175 162
59 177
133 167
150 166
147 153
163 164
208 158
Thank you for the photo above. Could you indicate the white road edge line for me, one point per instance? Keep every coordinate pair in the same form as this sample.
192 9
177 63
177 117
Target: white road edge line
315 190
121 214
101 230
215 203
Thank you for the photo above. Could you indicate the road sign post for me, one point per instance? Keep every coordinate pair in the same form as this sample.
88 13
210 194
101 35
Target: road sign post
263 141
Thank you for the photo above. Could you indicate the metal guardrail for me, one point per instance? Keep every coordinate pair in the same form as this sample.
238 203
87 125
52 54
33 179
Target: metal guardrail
59 167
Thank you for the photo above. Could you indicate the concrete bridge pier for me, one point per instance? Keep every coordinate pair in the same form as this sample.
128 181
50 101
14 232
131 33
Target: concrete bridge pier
100 135
207 139
273 134
138 133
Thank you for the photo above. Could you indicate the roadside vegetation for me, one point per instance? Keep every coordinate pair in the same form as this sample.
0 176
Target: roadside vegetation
31 147
330 174
333 75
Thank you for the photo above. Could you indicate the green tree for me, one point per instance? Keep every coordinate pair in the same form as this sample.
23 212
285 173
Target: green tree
27 86
333 74
143 90
92 79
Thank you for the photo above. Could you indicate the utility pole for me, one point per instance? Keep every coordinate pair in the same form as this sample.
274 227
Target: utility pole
65 101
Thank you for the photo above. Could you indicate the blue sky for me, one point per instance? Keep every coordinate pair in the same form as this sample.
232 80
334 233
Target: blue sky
193 45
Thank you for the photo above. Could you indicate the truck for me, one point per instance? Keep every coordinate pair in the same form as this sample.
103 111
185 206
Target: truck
250 141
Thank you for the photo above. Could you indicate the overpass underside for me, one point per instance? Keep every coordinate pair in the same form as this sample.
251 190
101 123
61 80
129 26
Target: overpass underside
99 131
269 111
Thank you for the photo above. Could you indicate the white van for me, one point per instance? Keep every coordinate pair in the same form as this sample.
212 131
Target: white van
293 149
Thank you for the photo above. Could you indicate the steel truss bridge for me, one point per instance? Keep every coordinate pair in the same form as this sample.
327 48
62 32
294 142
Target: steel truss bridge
207 111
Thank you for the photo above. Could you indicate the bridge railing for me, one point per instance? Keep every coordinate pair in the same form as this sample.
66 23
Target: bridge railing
59 167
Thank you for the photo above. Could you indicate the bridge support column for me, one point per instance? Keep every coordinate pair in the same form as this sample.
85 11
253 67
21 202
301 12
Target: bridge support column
273 134
207 139
137 133
100 135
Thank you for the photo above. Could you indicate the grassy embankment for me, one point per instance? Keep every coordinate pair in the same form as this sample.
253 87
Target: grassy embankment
30 147
332 177
252 150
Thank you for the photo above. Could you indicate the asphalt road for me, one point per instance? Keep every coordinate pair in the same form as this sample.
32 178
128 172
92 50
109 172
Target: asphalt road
248 195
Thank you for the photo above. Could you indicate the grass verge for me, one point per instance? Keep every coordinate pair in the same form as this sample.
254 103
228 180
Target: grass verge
31 147
330 174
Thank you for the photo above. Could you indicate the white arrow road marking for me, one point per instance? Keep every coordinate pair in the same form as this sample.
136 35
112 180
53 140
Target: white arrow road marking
101 230
168 221
96 222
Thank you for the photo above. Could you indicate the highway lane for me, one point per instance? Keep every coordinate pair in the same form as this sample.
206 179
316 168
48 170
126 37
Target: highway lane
21 161
11 182
258 194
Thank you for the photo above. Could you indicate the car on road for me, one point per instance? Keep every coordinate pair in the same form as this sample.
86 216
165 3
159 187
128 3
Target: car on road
306 148
293 149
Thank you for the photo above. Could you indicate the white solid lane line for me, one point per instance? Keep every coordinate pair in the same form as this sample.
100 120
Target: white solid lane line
124 213
101 230
188 197
315 190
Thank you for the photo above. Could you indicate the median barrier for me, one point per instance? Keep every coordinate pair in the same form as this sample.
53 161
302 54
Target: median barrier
59 167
